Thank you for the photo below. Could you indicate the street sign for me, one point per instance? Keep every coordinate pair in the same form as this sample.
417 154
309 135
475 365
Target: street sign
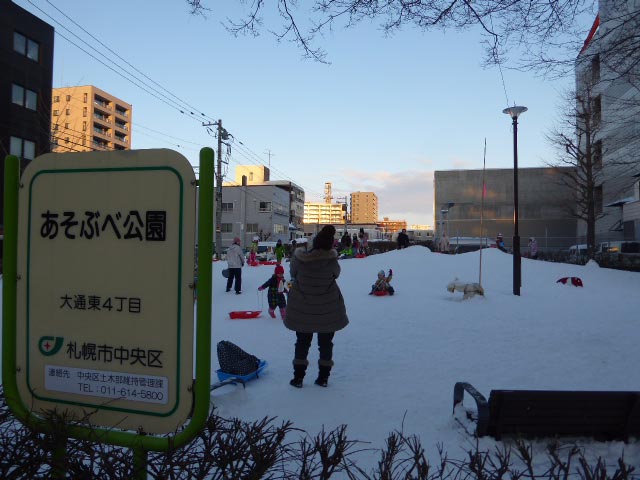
105 320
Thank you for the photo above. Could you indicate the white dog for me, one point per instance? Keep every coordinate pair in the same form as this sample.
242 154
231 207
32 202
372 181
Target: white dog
469 289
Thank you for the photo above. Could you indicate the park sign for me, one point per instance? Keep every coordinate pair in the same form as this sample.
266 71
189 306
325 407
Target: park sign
105 269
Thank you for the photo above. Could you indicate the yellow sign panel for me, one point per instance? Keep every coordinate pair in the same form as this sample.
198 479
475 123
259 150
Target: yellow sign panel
105 290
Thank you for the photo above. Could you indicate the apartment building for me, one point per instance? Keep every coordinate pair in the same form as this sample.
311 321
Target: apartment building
85 118
607 72
259 176
26 72
364 207
324 213
391 226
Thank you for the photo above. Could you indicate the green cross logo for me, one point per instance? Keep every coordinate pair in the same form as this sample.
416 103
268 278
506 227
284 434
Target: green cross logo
50 345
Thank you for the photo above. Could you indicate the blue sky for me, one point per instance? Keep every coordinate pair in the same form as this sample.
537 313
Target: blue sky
384 115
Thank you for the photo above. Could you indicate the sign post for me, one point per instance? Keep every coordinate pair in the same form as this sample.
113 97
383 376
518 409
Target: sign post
98 292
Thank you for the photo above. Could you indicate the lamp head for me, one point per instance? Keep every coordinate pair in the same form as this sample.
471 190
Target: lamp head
514 112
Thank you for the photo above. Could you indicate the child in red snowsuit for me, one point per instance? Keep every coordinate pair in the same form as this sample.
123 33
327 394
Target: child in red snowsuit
277 287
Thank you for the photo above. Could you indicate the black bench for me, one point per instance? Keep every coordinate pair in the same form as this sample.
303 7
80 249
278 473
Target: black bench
543 413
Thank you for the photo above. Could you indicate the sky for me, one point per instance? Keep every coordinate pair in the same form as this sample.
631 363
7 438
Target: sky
399 357
382 116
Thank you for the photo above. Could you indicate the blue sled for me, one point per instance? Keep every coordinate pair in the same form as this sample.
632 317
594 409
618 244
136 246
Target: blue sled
229 378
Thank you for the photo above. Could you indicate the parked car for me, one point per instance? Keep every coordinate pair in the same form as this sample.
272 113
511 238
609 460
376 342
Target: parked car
578 254
266 251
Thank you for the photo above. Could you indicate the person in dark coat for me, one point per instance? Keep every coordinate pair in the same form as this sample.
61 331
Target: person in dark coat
277 287
315 305
403 239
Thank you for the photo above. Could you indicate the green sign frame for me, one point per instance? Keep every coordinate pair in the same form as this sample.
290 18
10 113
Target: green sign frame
201 390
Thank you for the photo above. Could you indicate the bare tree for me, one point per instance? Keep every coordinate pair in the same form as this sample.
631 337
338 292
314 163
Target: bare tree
549 33
576 140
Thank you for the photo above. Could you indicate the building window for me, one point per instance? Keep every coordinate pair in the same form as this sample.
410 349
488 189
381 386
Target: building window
84 112
24 97
86 97
252 228
227 207
68 98
595 69
251 176
56 113
68 111
597 155
597 199
66 140
22 148
596 111
265 207
84 126
84 139
277 228
56 99
66 126
25 46
55 127
226 228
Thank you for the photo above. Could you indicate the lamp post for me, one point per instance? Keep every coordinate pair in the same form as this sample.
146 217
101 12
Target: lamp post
514 112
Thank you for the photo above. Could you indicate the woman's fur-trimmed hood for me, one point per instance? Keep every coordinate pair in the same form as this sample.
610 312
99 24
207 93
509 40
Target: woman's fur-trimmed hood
315 254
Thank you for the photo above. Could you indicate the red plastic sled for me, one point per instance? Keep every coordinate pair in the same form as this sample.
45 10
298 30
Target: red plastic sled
245 314
380 293
575 281
360 255
269 263
253 264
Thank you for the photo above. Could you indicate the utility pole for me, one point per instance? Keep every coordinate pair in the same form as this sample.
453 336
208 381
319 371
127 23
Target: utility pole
219 194
222 135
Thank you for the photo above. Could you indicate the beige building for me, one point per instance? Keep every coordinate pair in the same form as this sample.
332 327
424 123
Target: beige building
256 175
391 226
324 213
364 207
86 118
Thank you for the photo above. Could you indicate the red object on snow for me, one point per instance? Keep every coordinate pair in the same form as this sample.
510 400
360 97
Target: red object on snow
245 314
268 263
575 281
380 293
253 264
360 255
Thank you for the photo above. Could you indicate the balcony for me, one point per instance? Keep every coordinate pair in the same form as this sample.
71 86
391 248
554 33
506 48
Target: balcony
122 112
101 103
102 131
101 118
120 138
121 126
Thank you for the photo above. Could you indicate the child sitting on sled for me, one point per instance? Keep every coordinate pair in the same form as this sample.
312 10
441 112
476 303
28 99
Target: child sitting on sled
275 295
383 283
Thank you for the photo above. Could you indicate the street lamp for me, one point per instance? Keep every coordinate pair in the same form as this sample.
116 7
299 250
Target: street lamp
514 112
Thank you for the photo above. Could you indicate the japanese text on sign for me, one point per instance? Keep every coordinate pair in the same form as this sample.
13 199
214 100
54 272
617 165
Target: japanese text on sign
101 383
94 223
93 352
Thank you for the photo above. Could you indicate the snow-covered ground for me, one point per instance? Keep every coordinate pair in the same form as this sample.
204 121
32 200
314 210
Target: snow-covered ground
399 358
397 361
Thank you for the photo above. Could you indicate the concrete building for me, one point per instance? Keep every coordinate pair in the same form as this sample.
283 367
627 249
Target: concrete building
542 205
256 210
253 205
364 207
391 227
324 213
26 72
86 118
607 67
